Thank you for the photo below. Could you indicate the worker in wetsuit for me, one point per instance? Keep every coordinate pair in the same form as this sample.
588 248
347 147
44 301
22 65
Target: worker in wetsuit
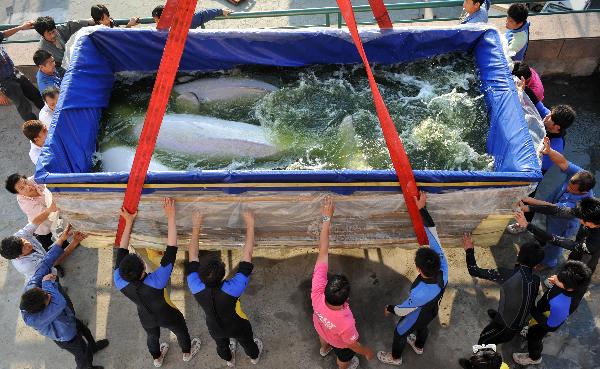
518 290
220 299
556 305
422 305
586 246
147 290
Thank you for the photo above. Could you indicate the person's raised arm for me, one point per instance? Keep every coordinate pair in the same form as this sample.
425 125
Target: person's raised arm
12 31
473 268
77 238
556 157
327 209
543 236
129 219
249 244
41 217
194 240
169 208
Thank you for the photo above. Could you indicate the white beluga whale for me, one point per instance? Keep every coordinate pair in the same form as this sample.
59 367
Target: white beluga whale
120 159
206 90
200 135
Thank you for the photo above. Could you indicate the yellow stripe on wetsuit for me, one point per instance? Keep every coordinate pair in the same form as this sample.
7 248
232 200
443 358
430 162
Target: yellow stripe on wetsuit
239 311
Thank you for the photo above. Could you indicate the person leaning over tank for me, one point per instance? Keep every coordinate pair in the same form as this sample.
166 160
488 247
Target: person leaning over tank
227 323
519 289
55 37
586 246
36 132
13 84
476 11
427 290
484 357
556 122
332 317
147 290
199 18
101 16
533 83
568 287
518 31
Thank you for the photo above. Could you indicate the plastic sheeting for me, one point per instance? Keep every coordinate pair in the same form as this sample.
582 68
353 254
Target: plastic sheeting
67 155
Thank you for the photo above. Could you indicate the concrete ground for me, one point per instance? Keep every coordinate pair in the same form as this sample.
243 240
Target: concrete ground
277 299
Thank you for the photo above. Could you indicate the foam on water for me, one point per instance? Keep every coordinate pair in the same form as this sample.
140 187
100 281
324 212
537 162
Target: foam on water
322 117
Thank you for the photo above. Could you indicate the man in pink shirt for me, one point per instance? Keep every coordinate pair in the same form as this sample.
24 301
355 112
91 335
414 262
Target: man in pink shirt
332 316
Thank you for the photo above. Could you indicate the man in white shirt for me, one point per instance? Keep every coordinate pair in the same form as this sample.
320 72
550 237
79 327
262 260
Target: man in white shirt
36 131
50 96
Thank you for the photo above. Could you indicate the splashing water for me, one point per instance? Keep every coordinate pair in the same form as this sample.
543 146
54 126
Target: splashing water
322 117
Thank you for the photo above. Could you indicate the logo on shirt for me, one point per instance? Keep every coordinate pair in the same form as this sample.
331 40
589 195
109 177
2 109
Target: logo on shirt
324 321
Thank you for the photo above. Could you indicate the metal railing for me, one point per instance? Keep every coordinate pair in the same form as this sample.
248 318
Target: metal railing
333 12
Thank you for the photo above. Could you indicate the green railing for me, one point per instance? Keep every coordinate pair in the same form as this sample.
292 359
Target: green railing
330 13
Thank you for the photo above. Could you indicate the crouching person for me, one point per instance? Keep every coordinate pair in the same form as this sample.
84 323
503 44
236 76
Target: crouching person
220 299
147 290
46 309
332 318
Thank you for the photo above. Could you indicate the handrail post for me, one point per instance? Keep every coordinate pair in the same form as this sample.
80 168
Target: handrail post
339 19
327 20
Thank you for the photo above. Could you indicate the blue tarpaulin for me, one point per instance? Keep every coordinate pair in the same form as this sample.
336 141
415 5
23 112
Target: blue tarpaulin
67 155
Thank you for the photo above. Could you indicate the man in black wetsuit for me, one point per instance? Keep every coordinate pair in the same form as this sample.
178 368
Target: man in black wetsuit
147 290
519 288
220 299
586 246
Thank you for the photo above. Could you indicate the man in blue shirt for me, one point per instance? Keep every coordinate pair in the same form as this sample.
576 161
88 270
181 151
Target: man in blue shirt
47 74
577 186
421 306
198 19
147 290
220 299
477 11
569 286
47 310
14 84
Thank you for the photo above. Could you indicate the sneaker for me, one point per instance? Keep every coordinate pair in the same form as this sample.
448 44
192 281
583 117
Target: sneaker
515 228
326 352
492 313
387 358
548 284
524 331
522 358
354 363
195 348
411 339
164 348
260 350
233 349
100 345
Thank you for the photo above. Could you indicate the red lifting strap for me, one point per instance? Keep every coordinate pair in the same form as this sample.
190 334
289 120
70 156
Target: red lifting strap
165 78
166 18
381 14
392 140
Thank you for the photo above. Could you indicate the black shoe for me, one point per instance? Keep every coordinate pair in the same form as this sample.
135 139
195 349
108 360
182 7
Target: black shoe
97 367
492 313
100 345
60 270
464 363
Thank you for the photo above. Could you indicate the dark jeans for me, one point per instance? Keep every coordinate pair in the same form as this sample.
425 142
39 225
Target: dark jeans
496 333
535 343
179 329
22 93
82 346
400 339
245 338
46 240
